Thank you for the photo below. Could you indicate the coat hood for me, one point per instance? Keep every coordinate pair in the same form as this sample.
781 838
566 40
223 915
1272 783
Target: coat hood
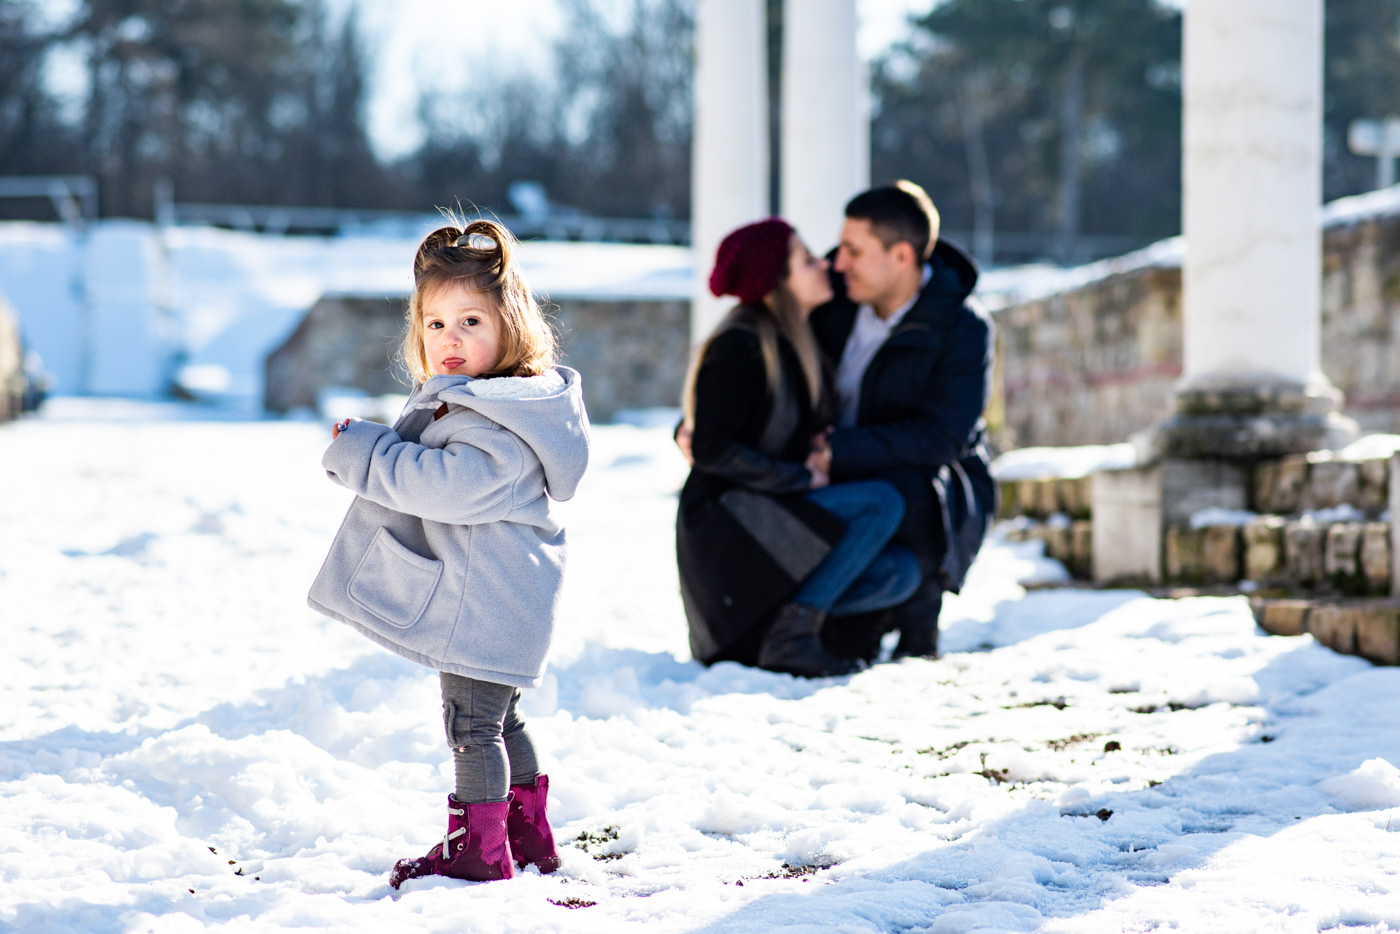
955 271
546 412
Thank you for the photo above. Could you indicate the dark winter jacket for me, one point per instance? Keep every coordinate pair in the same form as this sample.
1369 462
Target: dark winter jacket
919 422
746 536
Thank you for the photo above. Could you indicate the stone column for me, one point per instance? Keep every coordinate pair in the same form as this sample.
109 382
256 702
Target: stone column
1252 384
729 156
825 118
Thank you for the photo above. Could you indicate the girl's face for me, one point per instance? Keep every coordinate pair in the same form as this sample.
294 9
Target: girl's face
461 335
807 276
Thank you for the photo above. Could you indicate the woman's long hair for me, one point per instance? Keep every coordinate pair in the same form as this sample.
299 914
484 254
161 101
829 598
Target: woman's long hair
780 314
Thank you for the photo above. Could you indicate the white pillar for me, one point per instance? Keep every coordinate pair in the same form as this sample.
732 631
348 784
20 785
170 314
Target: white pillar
730 159
825 118
1252 203
1252 191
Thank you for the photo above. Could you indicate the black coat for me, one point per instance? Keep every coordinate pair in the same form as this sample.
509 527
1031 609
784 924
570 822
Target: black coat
919 422
746 536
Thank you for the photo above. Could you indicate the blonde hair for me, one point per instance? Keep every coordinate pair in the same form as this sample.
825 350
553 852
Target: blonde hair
780 312
479 255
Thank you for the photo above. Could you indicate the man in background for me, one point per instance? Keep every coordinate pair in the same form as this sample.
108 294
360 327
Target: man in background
913 358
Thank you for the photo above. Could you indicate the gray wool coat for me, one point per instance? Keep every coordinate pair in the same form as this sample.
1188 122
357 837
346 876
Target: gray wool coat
452 554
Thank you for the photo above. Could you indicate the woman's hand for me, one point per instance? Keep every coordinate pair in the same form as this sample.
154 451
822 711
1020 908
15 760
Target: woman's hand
819 460
682 437
820 476
338 427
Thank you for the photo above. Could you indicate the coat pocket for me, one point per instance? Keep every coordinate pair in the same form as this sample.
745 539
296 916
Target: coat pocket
393 583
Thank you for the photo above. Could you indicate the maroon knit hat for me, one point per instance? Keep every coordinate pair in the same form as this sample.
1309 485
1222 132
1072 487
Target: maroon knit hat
751 260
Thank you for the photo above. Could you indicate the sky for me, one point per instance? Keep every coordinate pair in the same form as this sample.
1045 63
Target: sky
417 42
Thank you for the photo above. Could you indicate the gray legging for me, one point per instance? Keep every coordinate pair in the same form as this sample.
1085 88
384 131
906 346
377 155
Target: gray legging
488 739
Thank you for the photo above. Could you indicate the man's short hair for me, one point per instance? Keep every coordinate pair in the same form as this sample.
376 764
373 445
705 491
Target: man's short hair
902 211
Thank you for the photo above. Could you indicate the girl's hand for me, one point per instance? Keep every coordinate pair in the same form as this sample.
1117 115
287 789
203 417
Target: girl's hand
820 477
338 427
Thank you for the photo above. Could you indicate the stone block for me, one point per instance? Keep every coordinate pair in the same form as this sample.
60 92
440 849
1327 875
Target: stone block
1220 554
1303 542
1331 483
1077 496
1393 480
1190 486
1378 635
1047 498
1185 559
1374 497
1341 557
1008 504
1287 492
1264 550
1128 525
1082 549
1027 498
1334 626
1059 544
1375 557
1265 479
1282 617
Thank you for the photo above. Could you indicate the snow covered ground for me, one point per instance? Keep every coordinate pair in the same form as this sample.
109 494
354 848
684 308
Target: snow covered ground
186 747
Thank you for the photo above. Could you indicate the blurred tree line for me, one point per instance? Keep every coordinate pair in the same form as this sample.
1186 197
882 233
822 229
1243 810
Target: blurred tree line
1055 120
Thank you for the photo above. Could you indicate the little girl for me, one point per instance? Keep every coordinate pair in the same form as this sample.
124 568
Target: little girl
451 554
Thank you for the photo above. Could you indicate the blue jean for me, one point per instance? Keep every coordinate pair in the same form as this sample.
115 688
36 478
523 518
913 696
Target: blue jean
862 572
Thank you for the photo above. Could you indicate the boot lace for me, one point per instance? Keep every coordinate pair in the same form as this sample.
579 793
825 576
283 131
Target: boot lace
452 834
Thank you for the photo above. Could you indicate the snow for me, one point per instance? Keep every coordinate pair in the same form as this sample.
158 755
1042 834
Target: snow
1370 447
1363 207
1068 462
188 747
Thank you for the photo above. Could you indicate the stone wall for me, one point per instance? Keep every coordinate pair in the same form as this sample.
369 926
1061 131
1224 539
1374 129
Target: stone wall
1361 317
1091 365
1316 524
1315 551
632 353
1095 363
343 341
11 364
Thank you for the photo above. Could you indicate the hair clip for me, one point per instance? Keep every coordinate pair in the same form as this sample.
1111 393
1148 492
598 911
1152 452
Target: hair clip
475 241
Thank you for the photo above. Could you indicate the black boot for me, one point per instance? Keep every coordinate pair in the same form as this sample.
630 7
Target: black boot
793 645
857 635
917 622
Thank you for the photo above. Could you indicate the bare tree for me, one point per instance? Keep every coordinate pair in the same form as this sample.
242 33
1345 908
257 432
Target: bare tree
626 75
